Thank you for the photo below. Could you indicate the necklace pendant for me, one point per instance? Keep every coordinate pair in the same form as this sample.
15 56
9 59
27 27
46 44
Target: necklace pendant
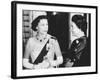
40 40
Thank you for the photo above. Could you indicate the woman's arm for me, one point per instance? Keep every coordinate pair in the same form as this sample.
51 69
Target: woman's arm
57 52
26 62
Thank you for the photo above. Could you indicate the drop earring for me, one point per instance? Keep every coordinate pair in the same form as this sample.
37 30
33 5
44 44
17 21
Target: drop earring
36 28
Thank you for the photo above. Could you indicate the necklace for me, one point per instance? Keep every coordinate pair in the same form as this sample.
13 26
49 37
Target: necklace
41 39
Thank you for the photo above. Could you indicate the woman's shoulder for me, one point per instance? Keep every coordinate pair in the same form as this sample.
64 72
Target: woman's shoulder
31 39
82 40
52 37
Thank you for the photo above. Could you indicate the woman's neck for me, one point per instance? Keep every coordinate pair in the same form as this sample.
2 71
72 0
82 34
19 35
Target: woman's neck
41 37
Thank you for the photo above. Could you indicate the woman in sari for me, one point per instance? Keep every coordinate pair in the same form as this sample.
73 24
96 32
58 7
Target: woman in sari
42 48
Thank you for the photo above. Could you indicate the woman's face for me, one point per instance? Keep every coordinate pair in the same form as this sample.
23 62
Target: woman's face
42 26
74 29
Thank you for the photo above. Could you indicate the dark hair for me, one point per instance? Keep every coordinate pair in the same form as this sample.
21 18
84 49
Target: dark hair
36 21
80 21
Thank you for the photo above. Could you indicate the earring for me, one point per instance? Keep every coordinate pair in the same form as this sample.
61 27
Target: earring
36 27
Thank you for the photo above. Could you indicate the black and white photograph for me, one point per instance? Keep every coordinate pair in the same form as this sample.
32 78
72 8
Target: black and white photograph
53 39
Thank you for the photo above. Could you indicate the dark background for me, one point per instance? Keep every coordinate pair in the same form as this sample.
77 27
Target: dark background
59 27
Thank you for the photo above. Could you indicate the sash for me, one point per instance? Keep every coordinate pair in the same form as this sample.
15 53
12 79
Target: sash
39 59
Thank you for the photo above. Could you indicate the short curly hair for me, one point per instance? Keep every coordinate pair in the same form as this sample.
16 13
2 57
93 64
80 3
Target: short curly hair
80 21
36 21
